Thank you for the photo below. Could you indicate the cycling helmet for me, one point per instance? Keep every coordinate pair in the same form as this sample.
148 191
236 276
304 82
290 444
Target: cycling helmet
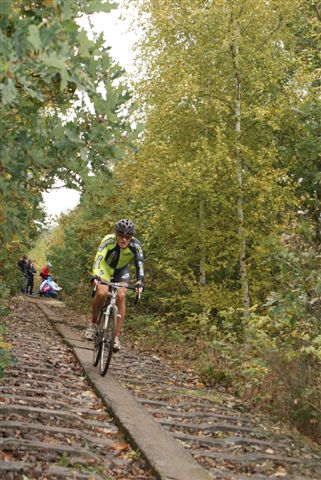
126 227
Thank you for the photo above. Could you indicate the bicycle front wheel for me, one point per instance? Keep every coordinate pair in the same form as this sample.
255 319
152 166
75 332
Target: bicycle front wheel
108 341
98 338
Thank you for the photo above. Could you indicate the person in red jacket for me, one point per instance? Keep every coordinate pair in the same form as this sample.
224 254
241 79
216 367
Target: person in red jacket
45 271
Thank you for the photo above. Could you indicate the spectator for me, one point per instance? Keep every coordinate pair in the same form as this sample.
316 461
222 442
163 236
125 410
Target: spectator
49 288
22 264
31 271
45 271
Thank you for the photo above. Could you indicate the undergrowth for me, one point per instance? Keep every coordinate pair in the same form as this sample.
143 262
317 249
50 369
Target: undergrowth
267 381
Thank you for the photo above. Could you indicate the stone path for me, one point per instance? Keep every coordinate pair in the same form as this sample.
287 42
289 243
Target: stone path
227 442
53 425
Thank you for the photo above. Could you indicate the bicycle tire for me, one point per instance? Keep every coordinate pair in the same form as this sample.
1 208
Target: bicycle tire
98 339
108 342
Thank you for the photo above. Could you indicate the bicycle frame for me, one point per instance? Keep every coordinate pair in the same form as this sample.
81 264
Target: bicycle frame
111 304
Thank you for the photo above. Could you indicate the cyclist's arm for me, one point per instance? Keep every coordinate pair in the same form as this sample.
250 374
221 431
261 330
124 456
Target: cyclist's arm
139 261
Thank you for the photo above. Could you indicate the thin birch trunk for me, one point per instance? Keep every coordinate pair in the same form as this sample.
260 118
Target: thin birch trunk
202 279
239 176
317 217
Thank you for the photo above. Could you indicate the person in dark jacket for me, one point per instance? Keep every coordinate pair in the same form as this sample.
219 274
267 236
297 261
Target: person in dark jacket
31 272
23 264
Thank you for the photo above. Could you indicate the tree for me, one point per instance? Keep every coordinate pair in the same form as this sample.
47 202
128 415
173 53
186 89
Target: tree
214 76
49 68
299 131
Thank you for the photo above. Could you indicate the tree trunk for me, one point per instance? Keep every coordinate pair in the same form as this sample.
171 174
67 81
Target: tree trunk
317 218
239 176
202 278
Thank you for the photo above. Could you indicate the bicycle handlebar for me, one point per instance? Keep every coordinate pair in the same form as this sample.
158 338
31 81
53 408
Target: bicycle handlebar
119 285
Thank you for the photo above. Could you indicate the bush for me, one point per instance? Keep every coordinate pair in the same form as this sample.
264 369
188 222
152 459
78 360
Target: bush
4 346
288 338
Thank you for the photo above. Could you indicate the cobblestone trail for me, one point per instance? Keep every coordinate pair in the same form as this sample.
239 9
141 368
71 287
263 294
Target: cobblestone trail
52 424
227 442
47 388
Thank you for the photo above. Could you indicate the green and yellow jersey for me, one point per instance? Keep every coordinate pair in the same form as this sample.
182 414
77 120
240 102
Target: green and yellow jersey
110 258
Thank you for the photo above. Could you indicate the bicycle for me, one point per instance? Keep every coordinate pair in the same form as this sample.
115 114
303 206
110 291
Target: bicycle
106 326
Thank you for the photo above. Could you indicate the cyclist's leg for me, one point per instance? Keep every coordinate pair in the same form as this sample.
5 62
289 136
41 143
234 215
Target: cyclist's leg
98 301
122 277
97 305
101 291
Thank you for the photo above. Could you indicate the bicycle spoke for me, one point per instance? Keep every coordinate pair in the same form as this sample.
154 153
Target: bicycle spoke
108 342
98 339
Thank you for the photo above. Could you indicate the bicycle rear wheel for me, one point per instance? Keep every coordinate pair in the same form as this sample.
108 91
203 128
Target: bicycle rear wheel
108 341
98 338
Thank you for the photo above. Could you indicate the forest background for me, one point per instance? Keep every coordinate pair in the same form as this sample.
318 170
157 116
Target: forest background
213 151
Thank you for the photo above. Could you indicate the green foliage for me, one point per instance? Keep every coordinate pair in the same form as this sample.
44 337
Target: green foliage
48 68
4 346
4 354
293 314
74 242
288 336
64 460
215 376
72 265
183 179
299 132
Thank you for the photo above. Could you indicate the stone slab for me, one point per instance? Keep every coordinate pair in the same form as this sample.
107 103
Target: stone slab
169 460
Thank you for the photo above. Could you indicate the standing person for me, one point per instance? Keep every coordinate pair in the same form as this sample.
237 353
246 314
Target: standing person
45 271
31 271
23 264
114 254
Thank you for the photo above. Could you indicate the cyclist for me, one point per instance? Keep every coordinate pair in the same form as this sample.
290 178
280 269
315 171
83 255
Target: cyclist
114 254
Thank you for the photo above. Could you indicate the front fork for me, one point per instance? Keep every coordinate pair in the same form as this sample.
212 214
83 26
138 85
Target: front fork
107 314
